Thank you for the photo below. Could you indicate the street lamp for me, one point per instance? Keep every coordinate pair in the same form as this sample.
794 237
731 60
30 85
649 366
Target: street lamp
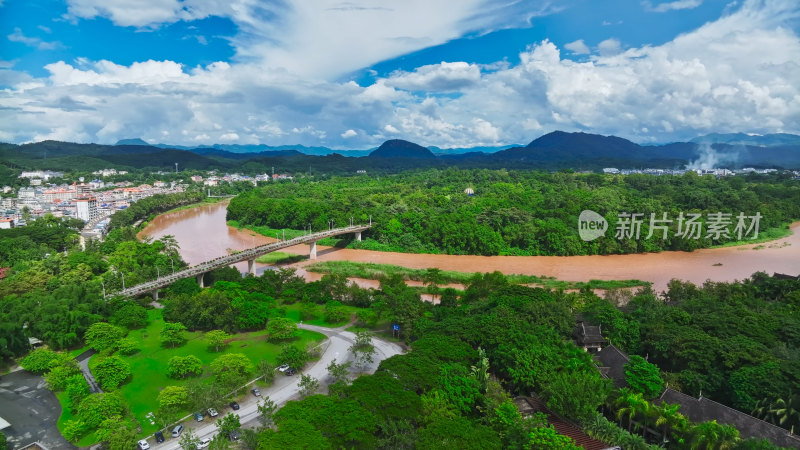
158 273
123 280
173 264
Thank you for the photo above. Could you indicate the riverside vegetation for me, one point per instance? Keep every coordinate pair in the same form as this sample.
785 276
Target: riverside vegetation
511 212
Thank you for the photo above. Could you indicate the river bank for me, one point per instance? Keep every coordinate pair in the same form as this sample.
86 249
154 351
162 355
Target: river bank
203 234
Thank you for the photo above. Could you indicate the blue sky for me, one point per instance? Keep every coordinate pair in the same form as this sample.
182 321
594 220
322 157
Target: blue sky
350 74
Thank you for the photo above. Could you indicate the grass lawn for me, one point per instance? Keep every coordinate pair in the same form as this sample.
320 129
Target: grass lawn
293 312
66 415
376 271
149 366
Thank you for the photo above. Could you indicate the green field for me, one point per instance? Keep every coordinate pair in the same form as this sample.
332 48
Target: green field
149 366
373 271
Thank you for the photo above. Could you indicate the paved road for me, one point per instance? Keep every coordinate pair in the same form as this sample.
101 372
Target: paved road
31 409
286 388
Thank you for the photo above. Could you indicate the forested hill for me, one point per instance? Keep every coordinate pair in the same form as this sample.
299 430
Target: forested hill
553 151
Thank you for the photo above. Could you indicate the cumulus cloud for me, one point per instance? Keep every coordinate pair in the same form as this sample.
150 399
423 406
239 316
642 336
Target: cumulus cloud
445 76
738 73
35 42
609 46
672 6
577 47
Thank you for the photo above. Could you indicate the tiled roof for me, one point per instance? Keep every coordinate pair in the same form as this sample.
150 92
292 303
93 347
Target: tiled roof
611 362
529 405
703 410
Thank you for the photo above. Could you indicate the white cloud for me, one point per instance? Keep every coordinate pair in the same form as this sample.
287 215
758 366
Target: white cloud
577 47
738 73
35 42
444 76
324 39
672 6
608 47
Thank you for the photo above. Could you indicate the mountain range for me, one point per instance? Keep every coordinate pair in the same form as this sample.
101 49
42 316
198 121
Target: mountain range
553 151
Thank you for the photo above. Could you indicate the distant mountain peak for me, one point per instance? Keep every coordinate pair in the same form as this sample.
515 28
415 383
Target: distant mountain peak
398 148
134 141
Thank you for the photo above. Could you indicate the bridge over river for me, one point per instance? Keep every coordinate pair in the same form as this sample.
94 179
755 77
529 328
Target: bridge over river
248 255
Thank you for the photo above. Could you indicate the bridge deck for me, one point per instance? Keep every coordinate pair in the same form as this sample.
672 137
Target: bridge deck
233 258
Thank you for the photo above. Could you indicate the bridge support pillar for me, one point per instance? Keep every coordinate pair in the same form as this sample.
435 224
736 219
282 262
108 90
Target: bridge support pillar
83 242
199 279
312 250
155 295
251 266
358 235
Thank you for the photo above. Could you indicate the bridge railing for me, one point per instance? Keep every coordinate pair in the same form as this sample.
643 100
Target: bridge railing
244 255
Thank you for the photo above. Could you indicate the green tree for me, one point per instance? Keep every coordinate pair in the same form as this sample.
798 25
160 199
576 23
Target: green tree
362 349
103 336
547 438
335 312
308 385
130 316
293 356
266 412
112 371
172 335
294 434
231 369
77 389
184 366
74 429
58 376
40 360
228 424
265 371
173 398
127 346
576 395
216 339
189 440
95 408
339 372
281 329
643 377
713 436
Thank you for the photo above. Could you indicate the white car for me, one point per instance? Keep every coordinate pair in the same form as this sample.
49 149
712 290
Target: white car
283 368
143 445
212 412
204 443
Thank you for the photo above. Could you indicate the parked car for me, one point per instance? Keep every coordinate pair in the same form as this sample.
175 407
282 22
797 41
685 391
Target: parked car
198 417
212 412
204 443
234 435
256 392
143 445
290 371
283 368
177 431
159 437
235 406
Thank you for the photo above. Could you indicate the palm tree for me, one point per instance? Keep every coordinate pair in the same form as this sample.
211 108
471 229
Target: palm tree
629 405
787 411
670 419
713 436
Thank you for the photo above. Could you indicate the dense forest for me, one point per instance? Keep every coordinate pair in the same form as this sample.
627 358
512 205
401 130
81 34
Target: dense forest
514 212
468 355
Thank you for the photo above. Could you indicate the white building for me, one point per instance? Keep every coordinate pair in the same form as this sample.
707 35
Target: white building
86 208
6 223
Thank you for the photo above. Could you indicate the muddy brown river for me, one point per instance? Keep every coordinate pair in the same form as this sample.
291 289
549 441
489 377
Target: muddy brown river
203 234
